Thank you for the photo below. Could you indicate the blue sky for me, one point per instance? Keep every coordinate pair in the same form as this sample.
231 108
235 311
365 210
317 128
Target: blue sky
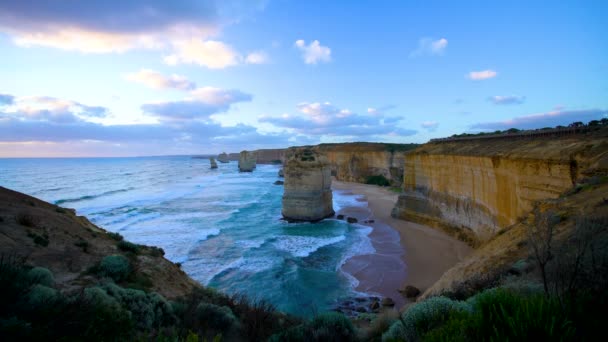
94 78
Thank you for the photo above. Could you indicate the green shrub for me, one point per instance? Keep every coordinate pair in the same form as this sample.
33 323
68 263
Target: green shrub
378 180
115 236
42 276
127 246
40 295
116 267
330 326
423 317
215 317
149 310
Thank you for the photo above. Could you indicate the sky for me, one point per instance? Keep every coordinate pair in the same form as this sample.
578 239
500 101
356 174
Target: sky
135 78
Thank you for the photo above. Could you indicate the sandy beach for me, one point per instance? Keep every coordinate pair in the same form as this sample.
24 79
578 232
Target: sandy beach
406 252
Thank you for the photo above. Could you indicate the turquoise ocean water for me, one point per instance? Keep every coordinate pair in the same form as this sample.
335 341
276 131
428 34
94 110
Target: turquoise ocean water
222 225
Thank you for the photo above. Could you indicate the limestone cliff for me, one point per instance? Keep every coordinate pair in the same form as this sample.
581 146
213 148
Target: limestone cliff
223 158
270 156
307 195
474 188
247 161
356 162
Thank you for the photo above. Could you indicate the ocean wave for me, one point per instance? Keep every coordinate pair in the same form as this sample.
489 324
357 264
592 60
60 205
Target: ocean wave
303 246
90 197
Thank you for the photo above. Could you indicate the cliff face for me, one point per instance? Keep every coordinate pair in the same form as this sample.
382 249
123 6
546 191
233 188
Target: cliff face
356 162
474 188
307 195
270 156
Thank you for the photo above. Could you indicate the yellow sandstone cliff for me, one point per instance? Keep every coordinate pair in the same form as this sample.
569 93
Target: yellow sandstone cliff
474 188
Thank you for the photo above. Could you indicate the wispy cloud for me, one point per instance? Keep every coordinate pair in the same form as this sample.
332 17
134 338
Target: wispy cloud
328 120
507 100
430 125
482 75
155 79
547 119
430 47
314 52
257 57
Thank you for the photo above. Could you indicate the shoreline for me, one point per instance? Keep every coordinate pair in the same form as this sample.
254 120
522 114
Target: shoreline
407 253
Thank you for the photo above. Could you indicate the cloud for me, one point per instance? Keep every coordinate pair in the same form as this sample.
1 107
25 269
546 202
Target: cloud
200 105
48 109
182 28
430 47
507 100
430 125
155 79
325 119
548 119
482 75
257 57
210 53
314 52
38 120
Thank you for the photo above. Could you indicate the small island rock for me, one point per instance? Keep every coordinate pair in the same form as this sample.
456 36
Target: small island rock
247 161
213 163
223 158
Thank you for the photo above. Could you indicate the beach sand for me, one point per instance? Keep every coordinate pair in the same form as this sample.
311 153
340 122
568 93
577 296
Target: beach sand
406 252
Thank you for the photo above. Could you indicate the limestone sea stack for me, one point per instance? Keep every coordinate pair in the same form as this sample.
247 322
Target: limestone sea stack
223 158
213 163
247 161
307 195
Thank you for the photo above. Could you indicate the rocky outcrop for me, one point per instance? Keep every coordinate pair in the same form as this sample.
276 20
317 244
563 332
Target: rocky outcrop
270 156
247 161
213 163
307 195
281 174
223 158
472 189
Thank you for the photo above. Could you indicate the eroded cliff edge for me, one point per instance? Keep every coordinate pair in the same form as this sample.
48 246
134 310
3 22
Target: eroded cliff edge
472 189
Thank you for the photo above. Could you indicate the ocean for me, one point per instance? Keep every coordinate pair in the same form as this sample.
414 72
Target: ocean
223 226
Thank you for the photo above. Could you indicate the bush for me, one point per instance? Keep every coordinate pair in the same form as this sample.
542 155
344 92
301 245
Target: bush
214 317
40 295
42 276
115 236
423 317
116 267
127 246
330 326
378 180
149 310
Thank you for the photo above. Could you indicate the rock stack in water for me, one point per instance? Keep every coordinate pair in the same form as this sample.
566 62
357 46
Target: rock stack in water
307 195
213 163
246 161
223 158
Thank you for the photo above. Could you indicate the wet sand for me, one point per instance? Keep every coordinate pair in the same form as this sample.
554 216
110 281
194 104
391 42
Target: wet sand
406 252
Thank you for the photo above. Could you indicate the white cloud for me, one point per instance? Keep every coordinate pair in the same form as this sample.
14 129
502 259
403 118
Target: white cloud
181 32
430 47
325 119
49 109
507 100
430 125
314 52
155 79
257 57
212 54
482 75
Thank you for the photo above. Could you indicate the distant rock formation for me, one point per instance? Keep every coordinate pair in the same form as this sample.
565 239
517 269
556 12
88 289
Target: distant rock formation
223 158
213 163
307 195
246 161
281 174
